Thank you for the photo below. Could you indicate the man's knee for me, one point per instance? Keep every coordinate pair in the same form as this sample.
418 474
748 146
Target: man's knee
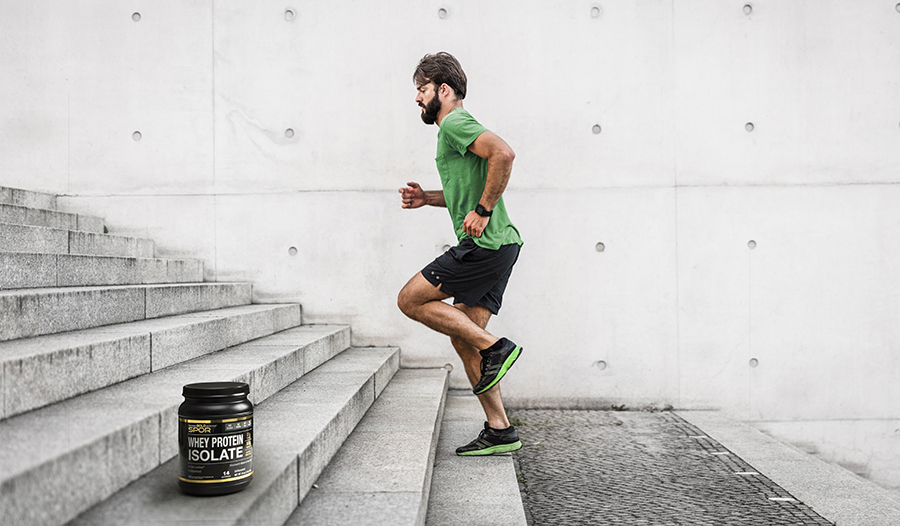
405 303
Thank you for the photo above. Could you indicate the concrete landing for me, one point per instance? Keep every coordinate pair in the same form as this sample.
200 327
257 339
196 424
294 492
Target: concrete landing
471 490
837 494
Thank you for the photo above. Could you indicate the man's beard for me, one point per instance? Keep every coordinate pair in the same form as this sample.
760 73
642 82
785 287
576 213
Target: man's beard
429 116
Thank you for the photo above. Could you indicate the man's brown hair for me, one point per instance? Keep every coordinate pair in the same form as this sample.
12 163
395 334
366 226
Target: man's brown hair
441 68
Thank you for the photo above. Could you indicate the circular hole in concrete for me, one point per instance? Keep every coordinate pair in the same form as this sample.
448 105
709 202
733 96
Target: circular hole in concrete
751 244
596 11
748 9
442 13
136 17
601 365
288 133
897 7
600 247
292 251
448 367
749 127
136 135
596 129
754 362
289 15
445 248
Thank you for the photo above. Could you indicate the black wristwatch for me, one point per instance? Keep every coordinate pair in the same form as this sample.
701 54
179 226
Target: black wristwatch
482 211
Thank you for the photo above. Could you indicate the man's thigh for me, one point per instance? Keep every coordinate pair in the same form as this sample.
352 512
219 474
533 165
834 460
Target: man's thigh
418 291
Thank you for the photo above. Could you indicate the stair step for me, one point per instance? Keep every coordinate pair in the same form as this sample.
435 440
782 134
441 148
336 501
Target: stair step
22 270
296 432
382 473
24 215
19 197
463 488
60 460
35 312
35 372
37 239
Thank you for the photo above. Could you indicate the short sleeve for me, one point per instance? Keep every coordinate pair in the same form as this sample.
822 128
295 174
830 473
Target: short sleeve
460 129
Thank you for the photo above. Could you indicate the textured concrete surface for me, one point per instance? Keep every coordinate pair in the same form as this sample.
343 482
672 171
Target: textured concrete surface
609 467
33 239
295 435
21 215
167 300
115 435
33 312
20 270
471 490
209 331
834 492
90 244
24 270
29 198
382 473
45 369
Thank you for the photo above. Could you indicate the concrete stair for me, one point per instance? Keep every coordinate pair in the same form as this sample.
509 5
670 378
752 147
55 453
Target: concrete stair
96 346
382 474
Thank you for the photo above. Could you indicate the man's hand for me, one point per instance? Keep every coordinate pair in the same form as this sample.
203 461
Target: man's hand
474 224
413 196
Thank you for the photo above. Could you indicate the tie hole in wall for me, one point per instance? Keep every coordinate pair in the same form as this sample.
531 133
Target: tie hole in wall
292 251
289 14
596 11
748 9
289 133
599 247
136 136
136 17
749 127
596 129
442 13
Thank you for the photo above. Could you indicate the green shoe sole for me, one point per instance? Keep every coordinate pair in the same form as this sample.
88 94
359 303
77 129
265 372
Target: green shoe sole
499 448
510 360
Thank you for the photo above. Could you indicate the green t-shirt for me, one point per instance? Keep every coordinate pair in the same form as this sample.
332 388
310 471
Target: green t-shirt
463 175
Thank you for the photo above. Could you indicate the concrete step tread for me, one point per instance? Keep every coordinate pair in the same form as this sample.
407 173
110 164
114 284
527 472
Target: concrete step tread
462 488
23 238
110 437
37 270
34 312
296 433
43 217
18 196
382 473
41 370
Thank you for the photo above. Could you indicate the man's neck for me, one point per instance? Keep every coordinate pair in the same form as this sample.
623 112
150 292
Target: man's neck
446 109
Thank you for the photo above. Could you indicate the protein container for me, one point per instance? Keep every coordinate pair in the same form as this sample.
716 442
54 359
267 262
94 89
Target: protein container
215 438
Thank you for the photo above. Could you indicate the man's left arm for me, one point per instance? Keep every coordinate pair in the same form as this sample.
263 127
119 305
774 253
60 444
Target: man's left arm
500 158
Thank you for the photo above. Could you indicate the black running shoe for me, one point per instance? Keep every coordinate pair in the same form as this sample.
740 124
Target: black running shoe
491 441
494 365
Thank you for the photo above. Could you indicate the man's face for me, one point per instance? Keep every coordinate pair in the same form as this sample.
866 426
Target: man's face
428 99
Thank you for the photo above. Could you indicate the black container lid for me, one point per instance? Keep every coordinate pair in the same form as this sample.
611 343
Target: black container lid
215 389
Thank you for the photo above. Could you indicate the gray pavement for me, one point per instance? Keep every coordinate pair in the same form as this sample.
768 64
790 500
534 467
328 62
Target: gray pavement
608 467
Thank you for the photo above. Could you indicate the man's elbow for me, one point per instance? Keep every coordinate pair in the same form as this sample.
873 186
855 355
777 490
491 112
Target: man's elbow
506 154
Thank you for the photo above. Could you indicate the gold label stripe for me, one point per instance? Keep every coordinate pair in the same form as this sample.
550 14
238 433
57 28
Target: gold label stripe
218 480
214 421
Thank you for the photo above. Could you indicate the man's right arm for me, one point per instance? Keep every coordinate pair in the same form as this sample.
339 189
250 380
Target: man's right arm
414 197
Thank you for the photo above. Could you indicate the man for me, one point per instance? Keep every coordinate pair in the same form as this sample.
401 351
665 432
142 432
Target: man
474 165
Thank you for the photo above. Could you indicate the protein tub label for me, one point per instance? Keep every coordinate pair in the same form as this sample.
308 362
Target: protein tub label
215 450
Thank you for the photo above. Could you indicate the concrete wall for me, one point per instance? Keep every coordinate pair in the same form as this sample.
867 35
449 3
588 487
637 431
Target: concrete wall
674 308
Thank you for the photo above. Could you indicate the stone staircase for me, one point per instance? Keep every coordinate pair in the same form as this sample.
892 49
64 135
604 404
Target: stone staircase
97 337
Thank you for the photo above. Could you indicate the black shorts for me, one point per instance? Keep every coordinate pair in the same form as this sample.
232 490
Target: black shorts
472 274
